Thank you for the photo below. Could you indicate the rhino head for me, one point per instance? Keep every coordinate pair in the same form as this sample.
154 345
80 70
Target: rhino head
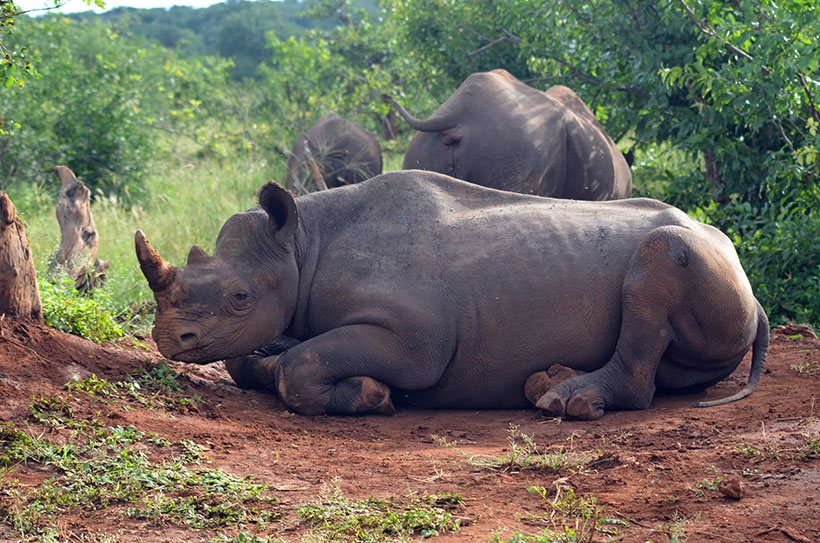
235 302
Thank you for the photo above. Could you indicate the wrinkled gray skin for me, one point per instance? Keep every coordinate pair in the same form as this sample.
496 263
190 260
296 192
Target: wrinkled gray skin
344 153
425 290
498 132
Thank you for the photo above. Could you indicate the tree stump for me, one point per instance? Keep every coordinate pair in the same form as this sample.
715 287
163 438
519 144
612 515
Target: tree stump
79 238
19 296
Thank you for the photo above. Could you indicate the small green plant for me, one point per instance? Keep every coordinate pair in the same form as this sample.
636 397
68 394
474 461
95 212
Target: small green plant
524 454
339 518
811 446
93 386
245 537
54 411
66 309
675 529
746 450
569 518
707 485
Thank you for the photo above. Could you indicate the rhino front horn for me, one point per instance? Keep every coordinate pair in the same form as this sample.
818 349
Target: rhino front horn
159 274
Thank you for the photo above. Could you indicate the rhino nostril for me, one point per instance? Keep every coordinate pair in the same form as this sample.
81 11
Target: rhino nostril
188 338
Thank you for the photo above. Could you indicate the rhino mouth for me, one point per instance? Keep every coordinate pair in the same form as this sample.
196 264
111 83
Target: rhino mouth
199 354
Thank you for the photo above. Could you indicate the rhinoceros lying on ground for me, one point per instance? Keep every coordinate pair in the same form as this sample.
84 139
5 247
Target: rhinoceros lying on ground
417 288
498 132
332 153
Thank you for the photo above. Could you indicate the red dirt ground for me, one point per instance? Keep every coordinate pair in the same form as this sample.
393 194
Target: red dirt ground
658 457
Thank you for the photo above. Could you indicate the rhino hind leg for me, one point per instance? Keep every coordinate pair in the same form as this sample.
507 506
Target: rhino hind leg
664 273
361 395
540 382
687 319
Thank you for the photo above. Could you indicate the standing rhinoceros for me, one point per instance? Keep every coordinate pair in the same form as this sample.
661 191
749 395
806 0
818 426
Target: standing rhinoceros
497 132
418 288
332 153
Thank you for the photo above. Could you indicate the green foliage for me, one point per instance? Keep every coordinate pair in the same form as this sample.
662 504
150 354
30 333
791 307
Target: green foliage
101 103
342 519
155 386
235 30
16 61
68 310
101 467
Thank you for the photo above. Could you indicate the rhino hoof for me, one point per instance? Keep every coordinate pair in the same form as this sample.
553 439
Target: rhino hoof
585 407
539 383
375 397
552 403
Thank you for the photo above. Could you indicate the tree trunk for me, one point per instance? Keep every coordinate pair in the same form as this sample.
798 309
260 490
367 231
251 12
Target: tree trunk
79 240
19 296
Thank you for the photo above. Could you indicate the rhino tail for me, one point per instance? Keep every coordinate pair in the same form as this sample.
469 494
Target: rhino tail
760 349
433 124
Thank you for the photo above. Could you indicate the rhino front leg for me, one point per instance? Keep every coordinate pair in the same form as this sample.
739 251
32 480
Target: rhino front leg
349 370
257 370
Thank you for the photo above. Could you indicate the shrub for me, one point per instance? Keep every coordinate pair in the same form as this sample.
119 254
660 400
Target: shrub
67 310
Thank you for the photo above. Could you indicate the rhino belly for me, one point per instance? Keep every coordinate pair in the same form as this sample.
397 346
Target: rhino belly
490 380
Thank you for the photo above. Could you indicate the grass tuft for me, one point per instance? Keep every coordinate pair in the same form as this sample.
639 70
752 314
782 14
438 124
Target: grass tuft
524 454
338 518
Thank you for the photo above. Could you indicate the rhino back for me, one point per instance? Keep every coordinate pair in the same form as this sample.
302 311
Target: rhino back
494 280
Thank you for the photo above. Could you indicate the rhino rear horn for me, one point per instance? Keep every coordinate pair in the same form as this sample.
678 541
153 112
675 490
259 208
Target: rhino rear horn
197 255
159 274
281 209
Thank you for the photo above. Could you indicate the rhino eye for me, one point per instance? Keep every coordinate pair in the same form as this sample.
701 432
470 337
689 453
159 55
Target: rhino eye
241 296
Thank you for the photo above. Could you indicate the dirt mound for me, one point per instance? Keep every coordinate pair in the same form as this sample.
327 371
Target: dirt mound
747 471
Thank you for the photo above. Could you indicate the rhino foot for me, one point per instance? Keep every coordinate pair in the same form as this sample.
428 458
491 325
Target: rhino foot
577 402
374 397
252 371
539 383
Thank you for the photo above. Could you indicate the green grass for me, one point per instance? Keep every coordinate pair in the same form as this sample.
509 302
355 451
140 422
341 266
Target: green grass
120 468
523 453
335 517
154 386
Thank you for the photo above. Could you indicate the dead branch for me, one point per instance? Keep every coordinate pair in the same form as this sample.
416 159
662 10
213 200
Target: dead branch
19 296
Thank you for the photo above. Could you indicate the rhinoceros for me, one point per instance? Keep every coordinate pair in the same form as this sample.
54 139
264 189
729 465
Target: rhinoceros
498 132
414 288
333 152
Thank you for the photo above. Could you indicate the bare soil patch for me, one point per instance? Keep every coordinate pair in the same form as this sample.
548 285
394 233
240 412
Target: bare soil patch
740 472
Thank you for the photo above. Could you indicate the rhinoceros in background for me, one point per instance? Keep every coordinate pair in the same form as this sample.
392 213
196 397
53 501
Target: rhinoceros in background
498 132
332 153
420 289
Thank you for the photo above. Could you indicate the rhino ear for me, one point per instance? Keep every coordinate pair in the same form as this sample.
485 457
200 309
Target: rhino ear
197 255
281 210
